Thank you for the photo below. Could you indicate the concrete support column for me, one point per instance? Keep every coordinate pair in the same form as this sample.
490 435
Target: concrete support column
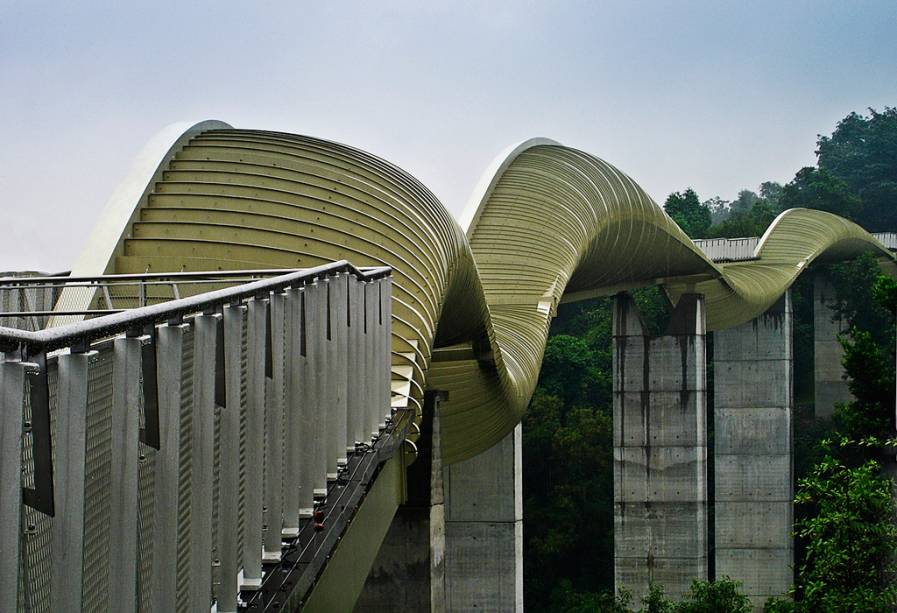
484 529
409 572
753 401
829 385
660 449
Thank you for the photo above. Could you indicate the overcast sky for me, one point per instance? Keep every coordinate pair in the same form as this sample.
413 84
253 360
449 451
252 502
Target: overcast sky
717 96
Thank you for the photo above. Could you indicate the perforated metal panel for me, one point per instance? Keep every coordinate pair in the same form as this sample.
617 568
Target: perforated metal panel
185 479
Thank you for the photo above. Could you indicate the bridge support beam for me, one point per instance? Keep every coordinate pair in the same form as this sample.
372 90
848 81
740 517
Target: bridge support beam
484 529
753 392
409 571
829 385
660 449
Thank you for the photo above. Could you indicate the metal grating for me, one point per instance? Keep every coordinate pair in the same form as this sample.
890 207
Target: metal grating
146 525
37 546
184 479
97 482
244 357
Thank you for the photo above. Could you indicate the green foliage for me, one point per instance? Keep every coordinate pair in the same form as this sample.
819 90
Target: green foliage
866 301
686 210
570 371
565 599
568 510
750 222
850 538
655 601
854 282
779 605
862 153
720 596
814 188
870 369
749 214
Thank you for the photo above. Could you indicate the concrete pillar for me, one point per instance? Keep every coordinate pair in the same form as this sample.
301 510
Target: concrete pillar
753 402
484 529
409 572
829 385
660 449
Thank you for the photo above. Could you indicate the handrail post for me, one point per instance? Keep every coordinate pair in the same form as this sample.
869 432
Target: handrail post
203 443
12 396
67 577
124 470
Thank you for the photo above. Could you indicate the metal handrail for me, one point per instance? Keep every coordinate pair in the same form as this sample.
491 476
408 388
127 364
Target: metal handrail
30 343
143 276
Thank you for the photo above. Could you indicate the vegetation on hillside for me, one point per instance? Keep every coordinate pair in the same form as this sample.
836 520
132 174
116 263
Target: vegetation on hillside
844 518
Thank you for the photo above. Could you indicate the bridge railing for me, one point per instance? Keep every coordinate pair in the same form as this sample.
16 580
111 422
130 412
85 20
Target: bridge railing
162 457
30 302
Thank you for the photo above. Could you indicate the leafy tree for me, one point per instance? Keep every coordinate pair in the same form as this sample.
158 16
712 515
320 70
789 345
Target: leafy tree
815 188
568 510
720 596
771 192
686 210
850 539
745 201
750 222
862 152
719 209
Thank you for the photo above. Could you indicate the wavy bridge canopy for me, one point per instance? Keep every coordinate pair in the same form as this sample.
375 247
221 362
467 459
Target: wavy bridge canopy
473 306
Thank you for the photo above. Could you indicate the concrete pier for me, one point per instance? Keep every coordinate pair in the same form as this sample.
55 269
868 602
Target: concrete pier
829 385
753 404
484 530
409 571
660 449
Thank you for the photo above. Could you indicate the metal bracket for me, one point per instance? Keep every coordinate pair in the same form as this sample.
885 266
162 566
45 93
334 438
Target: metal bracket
220 385
40 497
269 342
149 434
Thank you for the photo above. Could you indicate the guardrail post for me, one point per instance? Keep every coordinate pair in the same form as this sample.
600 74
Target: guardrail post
336 454
305 401
124 471
274 436
229 461
203 469
293 408
371 307
12 397
167 467
354 338
67 575
327 404
316 326
384 361
255 444
354 376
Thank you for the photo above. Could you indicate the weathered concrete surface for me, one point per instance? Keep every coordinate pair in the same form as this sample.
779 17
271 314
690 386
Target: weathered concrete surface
660 449
753 404
829 385
409 572
484 530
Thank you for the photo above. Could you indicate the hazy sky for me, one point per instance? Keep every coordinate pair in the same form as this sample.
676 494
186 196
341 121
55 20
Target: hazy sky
713 95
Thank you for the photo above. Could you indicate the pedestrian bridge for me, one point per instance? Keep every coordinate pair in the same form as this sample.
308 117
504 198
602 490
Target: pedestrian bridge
272 377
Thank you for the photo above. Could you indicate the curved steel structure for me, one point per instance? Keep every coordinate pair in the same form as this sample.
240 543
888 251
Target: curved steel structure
473 307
